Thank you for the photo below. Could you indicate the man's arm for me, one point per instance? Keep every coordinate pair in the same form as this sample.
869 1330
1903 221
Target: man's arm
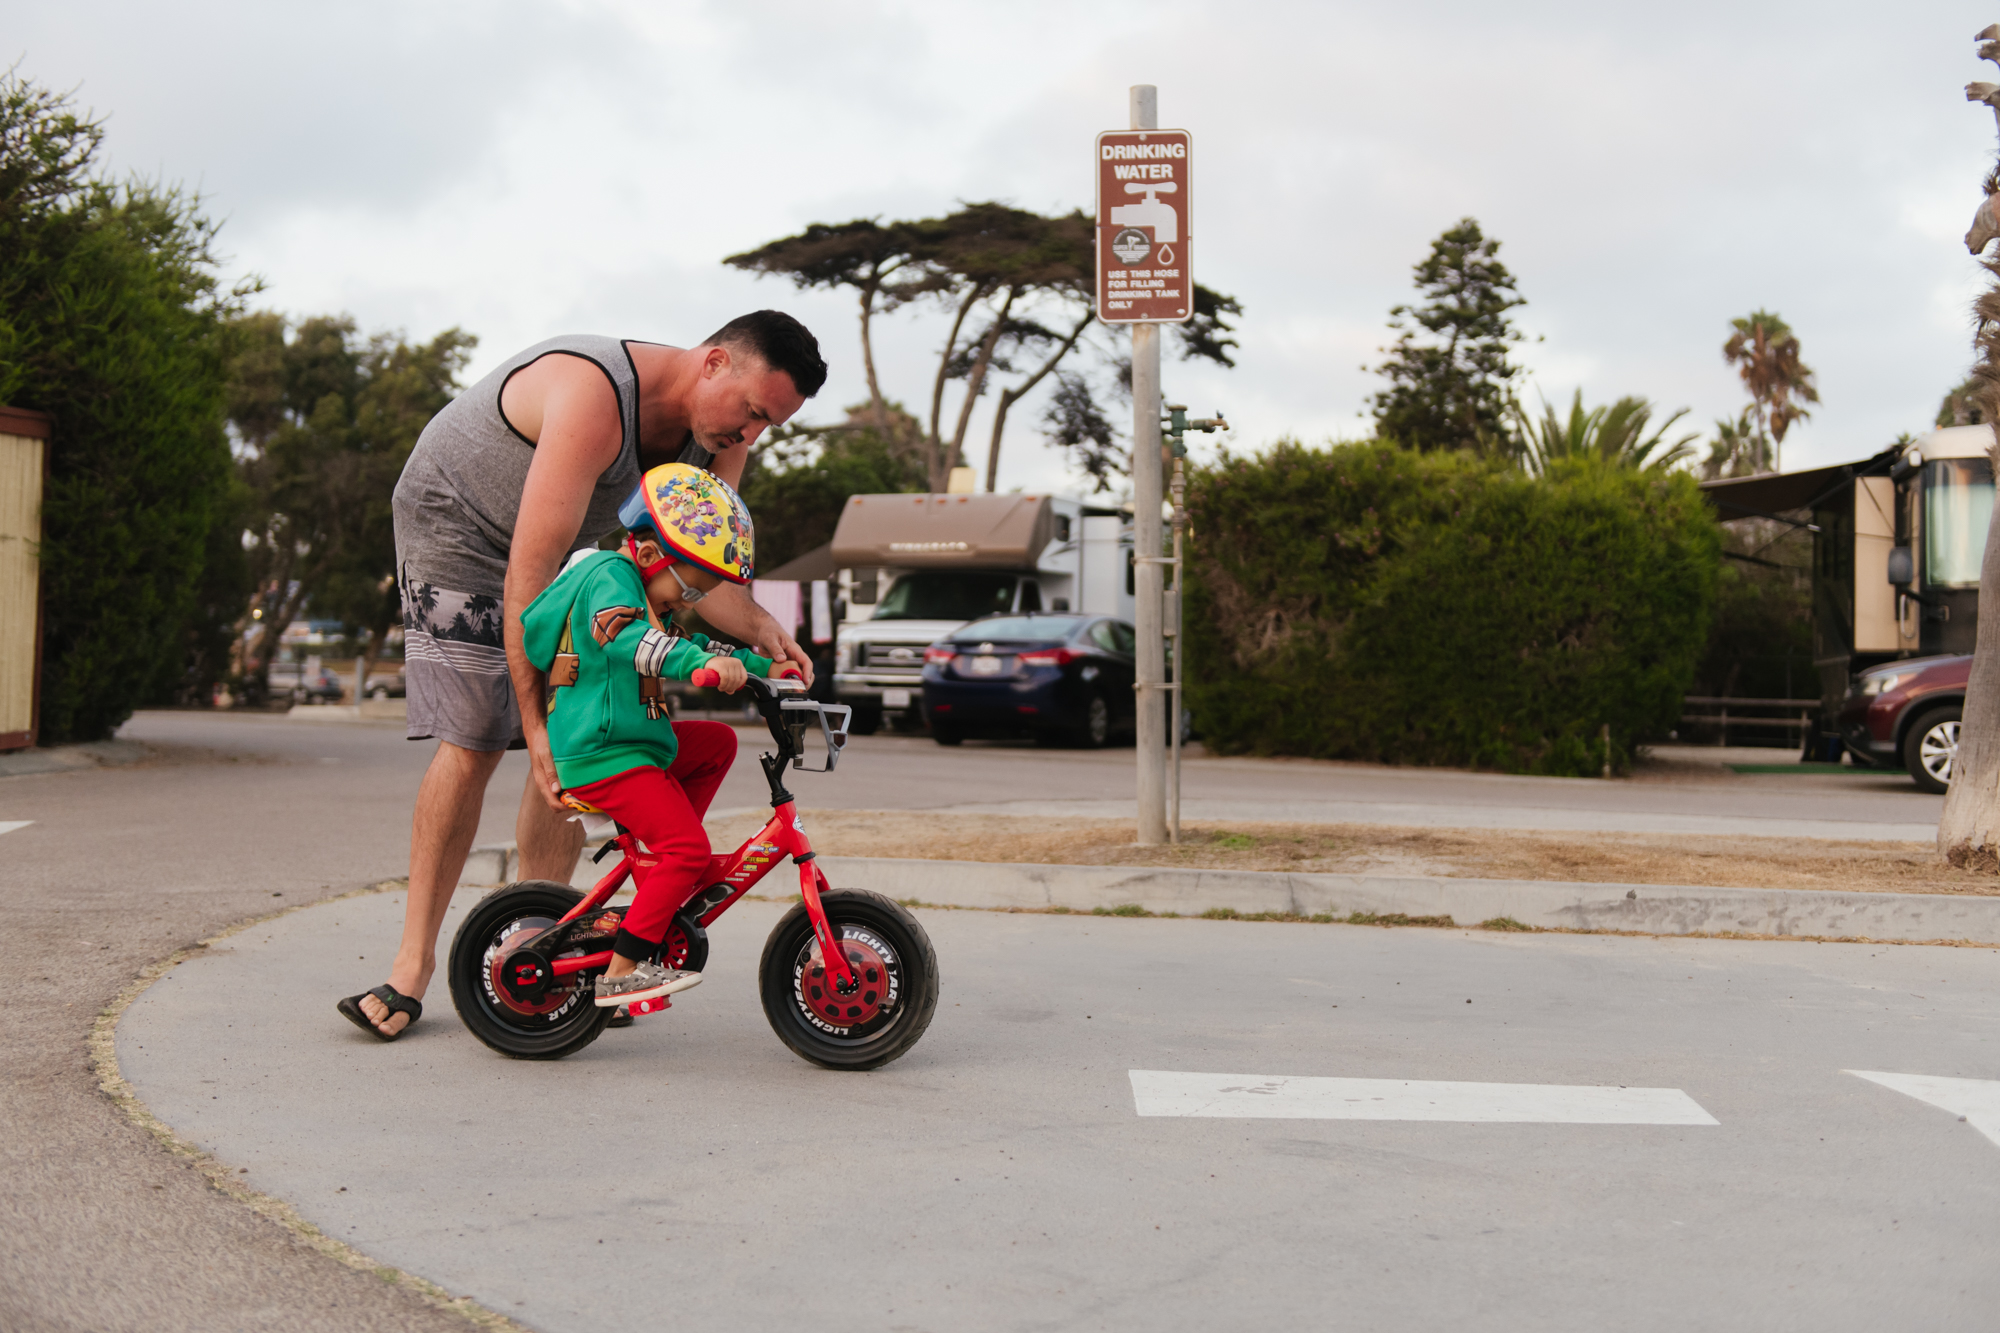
577 441
729 608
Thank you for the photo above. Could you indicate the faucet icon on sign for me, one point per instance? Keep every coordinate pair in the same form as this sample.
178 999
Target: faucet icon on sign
1151 212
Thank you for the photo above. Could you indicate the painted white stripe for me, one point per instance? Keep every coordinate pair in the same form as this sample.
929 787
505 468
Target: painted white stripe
9 825
1976 1100
1269 1097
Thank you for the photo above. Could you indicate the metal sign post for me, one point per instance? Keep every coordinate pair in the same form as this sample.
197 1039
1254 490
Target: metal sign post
1145 278
1178 426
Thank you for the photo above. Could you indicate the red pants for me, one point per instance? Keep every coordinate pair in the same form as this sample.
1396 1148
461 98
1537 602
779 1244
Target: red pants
664 807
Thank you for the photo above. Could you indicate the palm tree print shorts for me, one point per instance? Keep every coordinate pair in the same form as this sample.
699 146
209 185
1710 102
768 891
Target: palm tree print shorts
455 668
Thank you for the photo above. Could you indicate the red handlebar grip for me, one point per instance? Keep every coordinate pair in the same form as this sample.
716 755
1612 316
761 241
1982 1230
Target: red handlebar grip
705 678
787 671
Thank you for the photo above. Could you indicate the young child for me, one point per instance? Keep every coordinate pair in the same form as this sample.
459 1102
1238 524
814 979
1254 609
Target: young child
597 633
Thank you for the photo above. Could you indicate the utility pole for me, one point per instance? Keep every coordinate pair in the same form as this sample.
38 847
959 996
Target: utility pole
1148 548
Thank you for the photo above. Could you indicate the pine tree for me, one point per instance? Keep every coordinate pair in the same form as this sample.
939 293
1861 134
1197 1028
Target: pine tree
1450 379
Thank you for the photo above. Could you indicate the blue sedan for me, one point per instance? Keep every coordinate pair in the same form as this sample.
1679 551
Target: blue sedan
1058 678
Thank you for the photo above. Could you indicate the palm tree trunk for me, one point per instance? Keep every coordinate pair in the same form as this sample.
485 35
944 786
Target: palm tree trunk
1969 829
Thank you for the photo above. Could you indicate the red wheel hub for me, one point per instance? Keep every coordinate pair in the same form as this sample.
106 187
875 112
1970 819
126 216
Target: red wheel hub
868 957
555 998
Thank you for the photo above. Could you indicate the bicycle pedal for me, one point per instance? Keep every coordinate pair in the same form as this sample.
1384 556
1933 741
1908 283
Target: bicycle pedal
652 1006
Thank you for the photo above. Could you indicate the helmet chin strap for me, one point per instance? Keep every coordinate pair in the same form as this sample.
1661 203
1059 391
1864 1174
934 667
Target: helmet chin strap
646 571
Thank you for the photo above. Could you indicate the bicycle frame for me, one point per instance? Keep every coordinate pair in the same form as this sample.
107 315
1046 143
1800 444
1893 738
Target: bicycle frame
731 876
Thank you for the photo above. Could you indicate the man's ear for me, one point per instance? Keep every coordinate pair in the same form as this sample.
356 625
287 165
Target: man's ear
716 363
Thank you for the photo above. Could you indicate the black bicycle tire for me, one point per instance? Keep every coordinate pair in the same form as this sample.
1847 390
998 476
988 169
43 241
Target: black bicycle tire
917 956
465 971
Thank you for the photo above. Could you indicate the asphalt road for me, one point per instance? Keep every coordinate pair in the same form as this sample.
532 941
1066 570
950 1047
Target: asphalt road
1000 1177
238 815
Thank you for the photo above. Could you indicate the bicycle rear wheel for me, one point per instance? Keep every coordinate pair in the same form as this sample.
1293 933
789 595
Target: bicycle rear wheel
564 1021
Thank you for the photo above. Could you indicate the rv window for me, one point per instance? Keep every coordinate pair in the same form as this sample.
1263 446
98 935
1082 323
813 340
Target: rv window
865 587
947 594
1958 506
1062 527
1031 596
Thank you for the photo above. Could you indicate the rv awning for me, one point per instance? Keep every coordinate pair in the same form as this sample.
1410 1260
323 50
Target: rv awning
813 566
1782 492
943 531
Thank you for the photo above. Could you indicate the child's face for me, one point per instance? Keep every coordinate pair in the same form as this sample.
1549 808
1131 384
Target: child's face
664 589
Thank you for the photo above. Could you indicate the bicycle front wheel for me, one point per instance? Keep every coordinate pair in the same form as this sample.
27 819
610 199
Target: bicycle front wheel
891 958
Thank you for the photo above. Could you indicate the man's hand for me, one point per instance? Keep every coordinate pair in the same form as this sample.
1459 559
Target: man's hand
729 609
542 766
733 673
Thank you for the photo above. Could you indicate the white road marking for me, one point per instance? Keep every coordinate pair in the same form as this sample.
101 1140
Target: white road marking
9 825
1276 1097
1973 1100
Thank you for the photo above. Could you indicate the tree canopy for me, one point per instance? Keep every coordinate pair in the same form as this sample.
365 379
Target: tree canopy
111 319
1017 286
1449 372
325 420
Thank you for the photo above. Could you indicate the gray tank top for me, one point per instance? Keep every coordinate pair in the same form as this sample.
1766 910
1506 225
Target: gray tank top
460 492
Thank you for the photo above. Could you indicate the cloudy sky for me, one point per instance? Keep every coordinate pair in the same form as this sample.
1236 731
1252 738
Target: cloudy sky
523 169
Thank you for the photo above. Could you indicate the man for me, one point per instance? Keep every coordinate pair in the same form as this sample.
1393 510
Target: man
522 469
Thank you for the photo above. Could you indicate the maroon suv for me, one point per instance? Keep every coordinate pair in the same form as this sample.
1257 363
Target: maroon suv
1907 713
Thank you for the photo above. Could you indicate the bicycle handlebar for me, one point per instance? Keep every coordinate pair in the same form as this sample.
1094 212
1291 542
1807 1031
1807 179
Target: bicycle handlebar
707 678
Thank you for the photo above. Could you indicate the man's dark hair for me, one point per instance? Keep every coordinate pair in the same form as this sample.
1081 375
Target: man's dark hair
781 341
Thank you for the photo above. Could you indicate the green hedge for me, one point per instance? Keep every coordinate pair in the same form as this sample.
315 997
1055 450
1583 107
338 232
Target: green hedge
1368 602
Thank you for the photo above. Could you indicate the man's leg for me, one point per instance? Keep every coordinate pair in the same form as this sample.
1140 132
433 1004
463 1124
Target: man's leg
441 833
550 840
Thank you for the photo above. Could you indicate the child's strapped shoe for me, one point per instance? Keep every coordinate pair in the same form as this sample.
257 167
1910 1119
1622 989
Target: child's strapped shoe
647 981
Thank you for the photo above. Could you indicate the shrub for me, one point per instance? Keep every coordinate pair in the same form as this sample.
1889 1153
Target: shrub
1369 602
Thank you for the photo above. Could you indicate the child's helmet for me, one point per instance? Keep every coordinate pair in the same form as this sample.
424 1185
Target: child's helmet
697 516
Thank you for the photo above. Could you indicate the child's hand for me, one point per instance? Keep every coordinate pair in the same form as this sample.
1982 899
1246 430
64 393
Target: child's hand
733 673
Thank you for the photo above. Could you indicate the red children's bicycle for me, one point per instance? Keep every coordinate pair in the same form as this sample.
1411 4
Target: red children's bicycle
849 979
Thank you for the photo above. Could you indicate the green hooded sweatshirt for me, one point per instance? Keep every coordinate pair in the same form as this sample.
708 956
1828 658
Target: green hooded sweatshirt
602 725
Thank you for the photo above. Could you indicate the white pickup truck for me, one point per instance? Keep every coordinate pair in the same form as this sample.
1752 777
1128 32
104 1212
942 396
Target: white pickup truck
913 568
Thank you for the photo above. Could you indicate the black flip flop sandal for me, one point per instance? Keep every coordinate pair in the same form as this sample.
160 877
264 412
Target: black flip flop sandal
399 1003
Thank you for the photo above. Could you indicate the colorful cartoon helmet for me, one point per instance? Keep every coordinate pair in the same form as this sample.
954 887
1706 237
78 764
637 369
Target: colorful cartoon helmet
696 516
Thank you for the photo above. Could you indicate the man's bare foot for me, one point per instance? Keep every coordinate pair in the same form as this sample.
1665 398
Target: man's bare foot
391 1023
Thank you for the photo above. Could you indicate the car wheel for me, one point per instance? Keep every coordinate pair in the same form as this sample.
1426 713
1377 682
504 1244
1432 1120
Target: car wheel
1930 747
1095 728
946 735
379 692
865 721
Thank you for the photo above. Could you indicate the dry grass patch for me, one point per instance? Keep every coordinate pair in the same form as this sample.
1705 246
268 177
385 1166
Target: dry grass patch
1621 858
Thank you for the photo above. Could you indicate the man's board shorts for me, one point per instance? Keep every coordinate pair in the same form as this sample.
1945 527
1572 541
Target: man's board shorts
455 668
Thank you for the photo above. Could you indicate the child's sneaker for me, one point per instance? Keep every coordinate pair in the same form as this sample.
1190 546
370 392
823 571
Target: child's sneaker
647 981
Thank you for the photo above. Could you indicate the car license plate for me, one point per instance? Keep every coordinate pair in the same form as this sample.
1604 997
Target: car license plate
985 666
895 698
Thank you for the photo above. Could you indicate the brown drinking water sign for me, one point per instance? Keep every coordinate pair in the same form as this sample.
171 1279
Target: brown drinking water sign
1143 211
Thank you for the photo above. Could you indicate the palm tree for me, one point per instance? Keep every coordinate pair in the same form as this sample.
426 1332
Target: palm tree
1765 352
1739 449
1615 435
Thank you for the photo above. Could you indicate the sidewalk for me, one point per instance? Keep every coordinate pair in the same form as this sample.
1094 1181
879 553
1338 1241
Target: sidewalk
66 758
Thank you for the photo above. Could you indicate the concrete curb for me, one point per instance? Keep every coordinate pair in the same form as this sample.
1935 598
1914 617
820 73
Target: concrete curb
1651 909
368 710
67 758
1654 909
